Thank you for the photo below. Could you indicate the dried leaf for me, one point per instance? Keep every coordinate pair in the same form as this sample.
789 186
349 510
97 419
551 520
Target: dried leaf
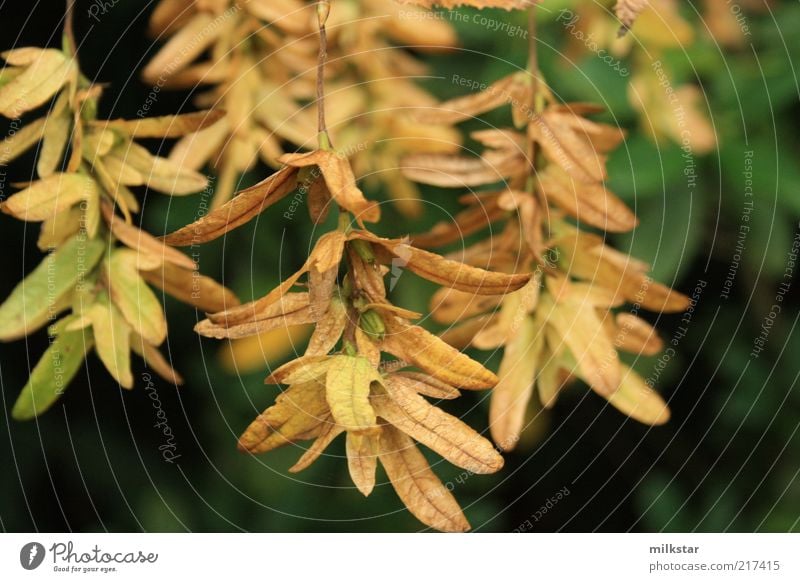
166 126
300 370
636 336
403 408
42 78
627 11
362 460
248 204
467 107
416 485
581 330
191 287
637 400
142 242
339 179
328 329
511 396
154 360
591 204
423 349
133 297
445 271
450 4
298 414
52 195
347 389
426 385
449 171
330 430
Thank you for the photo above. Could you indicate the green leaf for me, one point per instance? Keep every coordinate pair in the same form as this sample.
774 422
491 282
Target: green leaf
45 291
55 370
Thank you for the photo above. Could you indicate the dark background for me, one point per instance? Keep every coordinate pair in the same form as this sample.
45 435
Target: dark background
728 460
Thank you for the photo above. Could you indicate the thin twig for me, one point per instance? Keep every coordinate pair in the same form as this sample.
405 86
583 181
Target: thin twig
323 9
69 31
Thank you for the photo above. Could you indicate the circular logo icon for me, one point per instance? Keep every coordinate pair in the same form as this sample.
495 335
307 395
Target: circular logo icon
31 555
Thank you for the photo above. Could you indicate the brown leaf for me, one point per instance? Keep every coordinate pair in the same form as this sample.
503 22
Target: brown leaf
423 349
328 330
259 307
191 287
627 11
568 148
154 360
329 431
248 204
426 385
403 408
449 171
339 179
142 242
450 4
416 485
467 107
362 460
591 204
299 316
445 271
452 306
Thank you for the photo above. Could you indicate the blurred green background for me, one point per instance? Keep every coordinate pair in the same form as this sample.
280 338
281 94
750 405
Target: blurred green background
728 460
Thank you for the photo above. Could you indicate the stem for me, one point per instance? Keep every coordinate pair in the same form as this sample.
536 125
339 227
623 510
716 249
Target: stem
533 70
323 9
69 32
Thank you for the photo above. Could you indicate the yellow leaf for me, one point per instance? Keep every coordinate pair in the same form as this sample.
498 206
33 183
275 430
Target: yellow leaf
637 400
166 126
133 297
362 460
423 349
329 431
347 389
298 414
49 196
512 394
42 78
112 340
